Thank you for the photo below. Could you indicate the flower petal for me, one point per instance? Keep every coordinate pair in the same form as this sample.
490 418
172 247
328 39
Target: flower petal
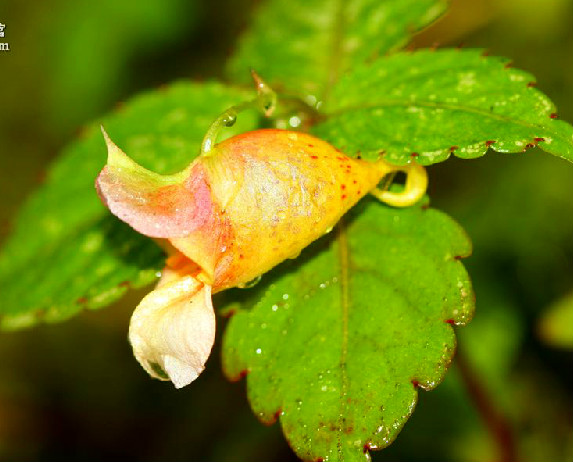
155 205
172 330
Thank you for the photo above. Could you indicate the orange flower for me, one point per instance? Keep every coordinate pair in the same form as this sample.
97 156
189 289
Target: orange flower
253 201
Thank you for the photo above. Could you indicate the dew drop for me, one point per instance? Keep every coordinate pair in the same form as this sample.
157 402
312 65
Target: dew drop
229 120
294 121
251 283
294 255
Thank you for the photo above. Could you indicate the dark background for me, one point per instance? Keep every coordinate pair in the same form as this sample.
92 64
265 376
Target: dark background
73 391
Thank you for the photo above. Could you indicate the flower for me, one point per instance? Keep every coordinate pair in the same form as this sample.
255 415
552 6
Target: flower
253 201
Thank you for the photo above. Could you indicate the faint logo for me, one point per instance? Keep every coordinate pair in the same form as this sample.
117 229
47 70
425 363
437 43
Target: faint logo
3 46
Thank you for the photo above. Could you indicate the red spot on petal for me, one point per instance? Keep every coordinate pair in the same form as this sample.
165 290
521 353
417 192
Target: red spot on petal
314 157
243 373
310 145
241 256
538 140
489 143
531 84
359 192
453 148
415 383
124 284
366 448
342 186
553 115
414 154
82 301
508 65
343 196
355 182
450 321
457 257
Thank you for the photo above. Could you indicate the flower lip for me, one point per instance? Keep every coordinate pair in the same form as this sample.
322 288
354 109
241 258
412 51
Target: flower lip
172 331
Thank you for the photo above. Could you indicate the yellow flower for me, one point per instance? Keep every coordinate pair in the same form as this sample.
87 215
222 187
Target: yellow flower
255 200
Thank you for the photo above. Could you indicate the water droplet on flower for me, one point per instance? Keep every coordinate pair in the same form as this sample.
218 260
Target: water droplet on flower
229 120
258 351
294 121
285 296
251 283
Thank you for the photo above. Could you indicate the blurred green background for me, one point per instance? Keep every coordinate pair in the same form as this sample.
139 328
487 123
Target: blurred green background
73 391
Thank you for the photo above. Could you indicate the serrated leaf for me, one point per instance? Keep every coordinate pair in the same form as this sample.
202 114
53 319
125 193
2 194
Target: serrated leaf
307 45
435 103
335 342
67 251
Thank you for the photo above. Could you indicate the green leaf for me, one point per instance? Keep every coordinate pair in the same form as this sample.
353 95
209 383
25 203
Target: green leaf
67 251
336 341
435 103
307 44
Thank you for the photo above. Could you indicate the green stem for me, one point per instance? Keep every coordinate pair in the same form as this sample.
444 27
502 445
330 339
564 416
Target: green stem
265 101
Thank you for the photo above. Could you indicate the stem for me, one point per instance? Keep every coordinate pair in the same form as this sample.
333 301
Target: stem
496 423
265 101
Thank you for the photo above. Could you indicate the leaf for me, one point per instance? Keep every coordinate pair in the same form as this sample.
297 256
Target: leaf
307 44
435 103
67 251
336 342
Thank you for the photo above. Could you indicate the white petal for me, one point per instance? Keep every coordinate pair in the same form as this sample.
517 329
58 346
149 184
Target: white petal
172 330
